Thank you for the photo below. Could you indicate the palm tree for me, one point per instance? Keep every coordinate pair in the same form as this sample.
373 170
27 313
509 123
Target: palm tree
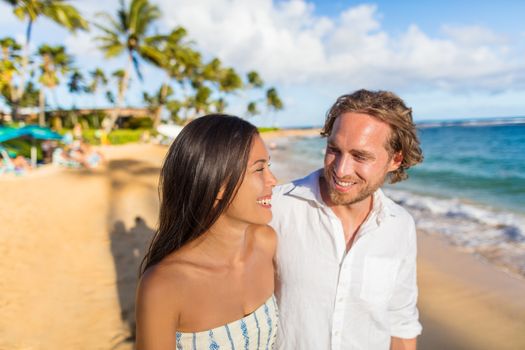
98 79
76 83
122 85
58 11
126 33
254 79
157 101
55 62
177 59
76 86
273 101
9 65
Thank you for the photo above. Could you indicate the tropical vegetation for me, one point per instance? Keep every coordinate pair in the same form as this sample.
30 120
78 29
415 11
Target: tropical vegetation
193 83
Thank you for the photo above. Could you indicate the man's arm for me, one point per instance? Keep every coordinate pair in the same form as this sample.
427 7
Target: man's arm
402 344
404 323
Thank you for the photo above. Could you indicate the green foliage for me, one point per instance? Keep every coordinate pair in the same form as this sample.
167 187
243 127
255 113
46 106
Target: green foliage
122 136
138 123
94 120
128 30
76 83
98 78
54 62
267 129
28 99
55 10
273 101
192 87
9 62
254 79
22 147
116 137
251 108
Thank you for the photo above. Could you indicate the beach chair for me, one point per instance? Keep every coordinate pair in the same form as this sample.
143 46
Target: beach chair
61 158
6 164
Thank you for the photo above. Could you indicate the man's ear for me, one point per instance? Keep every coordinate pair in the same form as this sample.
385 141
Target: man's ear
395 161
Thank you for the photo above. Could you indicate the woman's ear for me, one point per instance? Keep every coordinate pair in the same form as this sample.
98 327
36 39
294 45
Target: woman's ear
220 194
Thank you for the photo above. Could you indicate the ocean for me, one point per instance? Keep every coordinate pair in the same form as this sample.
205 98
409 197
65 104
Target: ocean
470 189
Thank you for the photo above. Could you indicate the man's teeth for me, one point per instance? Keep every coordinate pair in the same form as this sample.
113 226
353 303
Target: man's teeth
266 201
344 184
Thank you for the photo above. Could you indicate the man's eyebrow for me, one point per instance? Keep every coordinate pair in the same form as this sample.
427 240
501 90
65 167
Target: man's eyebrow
362 153
355 152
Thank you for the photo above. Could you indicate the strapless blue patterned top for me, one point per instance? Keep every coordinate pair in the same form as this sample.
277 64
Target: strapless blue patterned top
254 331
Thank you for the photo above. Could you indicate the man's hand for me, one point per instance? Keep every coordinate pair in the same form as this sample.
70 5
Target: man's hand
402 344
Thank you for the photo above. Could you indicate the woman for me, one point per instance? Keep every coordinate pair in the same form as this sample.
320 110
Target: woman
207 280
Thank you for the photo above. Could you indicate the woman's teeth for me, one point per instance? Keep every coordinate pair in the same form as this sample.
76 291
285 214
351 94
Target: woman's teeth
265 201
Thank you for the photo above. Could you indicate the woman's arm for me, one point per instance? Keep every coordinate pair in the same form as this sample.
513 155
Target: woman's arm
157 312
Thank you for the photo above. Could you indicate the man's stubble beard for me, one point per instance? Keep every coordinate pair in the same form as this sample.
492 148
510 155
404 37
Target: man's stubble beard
342 199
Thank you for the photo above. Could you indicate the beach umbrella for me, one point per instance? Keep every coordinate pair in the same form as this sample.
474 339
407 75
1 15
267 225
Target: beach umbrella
38 133
7 134
35 132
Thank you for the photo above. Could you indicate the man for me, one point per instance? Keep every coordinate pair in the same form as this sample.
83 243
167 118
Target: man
346 260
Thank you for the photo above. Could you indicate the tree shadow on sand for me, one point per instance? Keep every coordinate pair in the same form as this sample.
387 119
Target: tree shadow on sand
128 248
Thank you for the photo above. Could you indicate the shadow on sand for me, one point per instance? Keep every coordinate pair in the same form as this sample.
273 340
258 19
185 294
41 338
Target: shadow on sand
128 248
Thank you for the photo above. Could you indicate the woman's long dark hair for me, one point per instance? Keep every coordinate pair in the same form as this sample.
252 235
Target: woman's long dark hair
210 154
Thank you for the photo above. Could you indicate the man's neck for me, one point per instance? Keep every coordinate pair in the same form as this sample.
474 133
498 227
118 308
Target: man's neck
352 216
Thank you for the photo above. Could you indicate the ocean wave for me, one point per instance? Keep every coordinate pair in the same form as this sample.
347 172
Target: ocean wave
472 122
464 222
494 235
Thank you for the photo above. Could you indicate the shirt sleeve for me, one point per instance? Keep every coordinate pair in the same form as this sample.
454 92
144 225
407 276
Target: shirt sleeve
402 308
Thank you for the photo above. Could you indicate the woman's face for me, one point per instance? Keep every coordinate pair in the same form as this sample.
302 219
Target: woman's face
252 204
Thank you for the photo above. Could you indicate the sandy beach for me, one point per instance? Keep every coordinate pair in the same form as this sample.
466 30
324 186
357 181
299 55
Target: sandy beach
71 242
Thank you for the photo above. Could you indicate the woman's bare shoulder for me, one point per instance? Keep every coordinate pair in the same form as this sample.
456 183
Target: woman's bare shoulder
166 278
160 296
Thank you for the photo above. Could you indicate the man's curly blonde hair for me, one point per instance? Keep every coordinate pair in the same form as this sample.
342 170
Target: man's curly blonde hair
389 108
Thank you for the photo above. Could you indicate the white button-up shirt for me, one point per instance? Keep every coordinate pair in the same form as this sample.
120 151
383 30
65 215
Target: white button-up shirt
331 299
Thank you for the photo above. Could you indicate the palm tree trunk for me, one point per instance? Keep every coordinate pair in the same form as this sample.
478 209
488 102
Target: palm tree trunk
25 63
160 108
42 105
121 97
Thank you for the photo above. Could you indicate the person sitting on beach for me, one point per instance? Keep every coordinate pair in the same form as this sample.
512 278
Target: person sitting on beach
91 158
79 154
207 279
21 164
346 263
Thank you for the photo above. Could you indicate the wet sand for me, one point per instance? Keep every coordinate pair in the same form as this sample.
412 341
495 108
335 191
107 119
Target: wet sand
71 242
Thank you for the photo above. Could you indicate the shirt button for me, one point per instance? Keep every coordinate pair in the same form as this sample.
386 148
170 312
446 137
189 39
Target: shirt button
339 300
336 333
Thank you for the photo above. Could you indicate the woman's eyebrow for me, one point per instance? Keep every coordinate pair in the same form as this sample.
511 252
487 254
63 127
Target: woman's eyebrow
263 160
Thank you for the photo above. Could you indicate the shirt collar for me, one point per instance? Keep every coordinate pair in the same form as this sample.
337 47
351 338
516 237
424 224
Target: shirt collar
308 188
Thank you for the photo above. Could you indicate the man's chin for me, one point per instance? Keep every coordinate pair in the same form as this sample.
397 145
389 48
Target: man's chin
339 198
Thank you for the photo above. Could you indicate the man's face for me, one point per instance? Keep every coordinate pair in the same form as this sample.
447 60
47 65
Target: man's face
356 161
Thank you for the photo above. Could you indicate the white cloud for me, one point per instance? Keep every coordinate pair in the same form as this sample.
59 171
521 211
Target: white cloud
82 45
473 35
289 44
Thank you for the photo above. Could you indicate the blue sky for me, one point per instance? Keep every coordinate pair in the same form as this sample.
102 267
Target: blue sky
448 59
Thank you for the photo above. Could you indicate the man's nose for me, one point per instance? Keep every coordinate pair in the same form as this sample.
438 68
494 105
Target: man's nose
343 166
